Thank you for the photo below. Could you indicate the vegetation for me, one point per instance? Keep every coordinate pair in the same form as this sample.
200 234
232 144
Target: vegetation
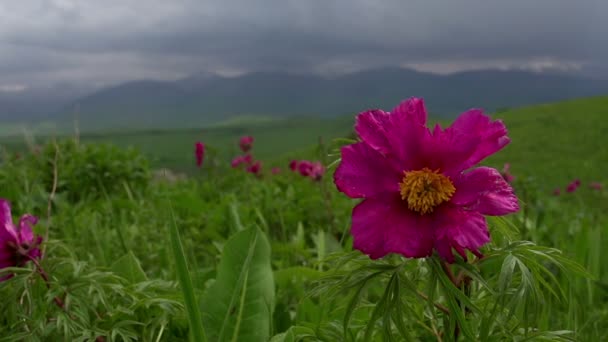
224 255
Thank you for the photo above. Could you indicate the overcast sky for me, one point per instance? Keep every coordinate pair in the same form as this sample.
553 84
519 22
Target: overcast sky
109 41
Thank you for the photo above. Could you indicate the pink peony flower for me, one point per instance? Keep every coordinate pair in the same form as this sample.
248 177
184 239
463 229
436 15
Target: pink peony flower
255 168
316 171
573 186
596 186
246 143
238 160
419 187
276 170
17 244
557 192
305 167
293 165
199 152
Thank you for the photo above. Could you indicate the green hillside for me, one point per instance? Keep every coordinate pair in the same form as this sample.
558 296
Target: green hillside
557 142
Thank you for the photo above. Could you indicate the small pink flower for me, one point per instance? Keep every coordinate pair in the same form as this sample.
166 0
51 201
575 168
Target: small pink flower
18 244
317 170
239 160
293 165
573 186
276 170
199 152
246 143
247 159
305 167
255 168
596 186
420 188
557 192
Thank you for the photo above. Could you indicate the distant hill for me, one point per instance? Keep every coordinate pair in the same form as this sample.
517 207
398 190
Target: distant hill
205 99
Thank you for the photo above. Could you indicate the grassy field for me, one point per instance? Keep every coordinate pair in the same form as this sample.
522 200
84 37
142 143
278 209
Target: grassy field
224 255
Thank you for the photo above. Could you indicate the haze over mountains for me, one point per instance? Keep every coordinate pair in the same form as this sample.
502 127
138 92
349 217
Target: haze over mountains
205 98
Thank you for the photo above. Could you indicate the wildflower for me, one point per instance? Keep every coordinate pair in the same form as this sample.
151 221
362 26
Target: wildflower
506 173
557 192
238 160
293 165
316 171
246 143
305 168
276 170
573 186
419 190
255 168
199 152
596 186
17 244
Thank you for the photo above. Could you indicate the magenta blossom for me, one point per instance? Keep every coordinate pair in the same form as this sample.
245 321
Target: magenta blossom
596 186
420 189
246 143
316 171
255 168
557 192
276 170
573 186
293 165
239 160
199 152
305 167
17 243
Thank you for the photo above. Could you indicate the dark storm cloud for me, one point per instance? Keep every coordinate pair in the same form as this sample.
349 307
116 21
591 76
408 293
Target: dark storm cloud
110 41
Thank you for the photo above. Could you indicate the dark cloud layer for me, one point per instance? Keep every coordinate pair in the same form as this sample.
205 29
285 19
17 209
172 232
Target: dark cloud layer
99 42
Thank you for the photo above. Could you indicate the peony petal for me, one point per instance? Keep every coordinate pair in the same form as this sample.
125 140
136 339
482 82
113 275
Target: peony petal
474 125
372 126
459 229
483 189
384 225
364 172
412 108
446 150
408 135
5 213
26 223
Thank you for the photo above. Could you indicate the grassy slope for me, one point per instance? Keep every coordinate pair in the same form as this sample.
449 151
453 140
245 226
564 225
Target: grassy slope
557 142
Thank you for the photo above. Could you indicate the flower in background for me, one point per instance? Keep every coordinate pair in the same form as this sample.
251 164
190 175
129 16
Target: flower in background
573 186
596 186
420 189
506 173
276 170
239 160
305 167
255 168
557 192
199 152
18 244
293 165
316 171
246 143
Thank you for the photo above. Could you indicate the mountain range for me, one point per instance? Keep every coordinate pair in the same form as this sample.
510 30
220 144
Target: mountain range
204 98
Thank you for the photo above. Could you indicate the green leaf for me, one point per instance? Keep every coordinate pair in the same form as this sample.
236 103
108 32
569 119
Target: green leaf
239 305
128 267
185 281
294 334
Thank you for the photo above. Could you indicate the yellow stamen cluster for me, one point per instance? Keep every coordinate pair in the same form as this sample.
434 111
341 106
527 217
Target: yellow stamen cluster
425 189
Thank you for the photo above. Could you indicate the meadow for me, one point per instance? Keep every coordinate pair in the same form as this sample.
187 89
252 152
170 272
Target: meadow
222 254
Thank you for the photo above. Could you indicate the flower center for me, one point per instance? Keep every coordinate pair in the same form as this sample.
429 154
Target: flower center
425 189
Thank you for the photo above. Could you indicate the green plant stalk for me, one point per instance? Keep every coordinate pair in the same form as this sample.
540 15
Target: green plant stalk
185 281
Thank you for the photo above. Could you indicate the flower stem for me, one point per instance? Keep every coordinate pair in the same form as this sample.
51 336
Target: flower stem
45 277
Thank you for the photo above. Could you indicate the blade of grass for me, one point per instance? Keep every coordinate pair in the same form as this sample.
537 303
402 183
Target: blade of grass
185 281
